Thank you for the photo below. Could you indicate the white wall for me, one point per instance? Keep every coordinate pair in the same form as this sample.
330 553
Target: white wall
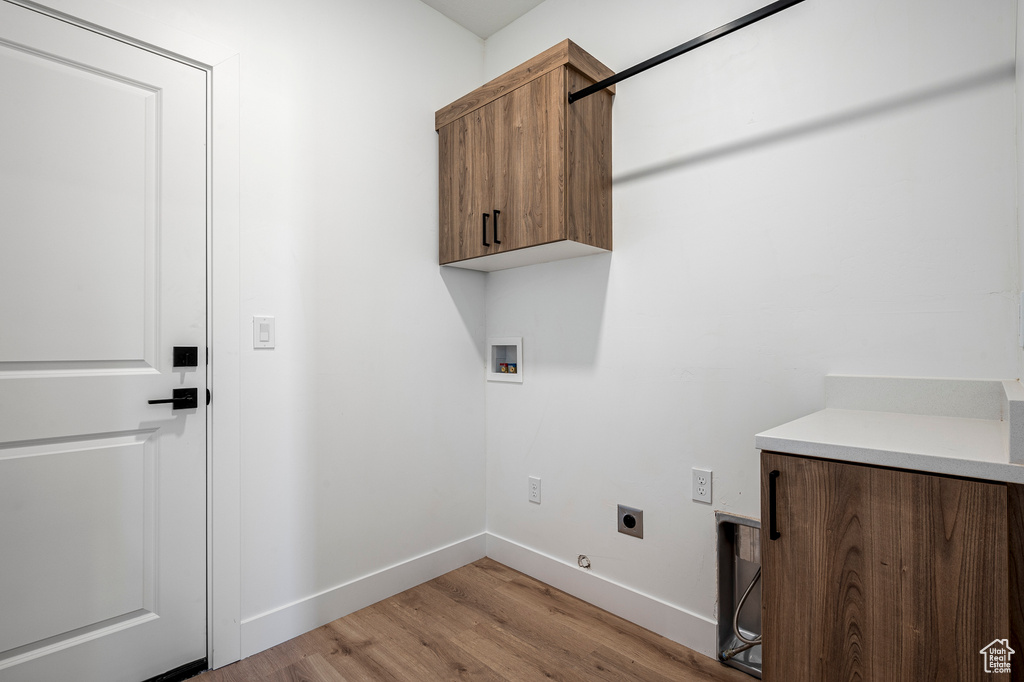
1020 158
832 190
363 431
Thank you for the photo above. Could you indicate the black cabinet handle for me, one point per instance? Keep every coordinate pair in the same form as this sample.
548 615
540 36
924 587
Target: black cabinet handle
773 523
496 213
485 229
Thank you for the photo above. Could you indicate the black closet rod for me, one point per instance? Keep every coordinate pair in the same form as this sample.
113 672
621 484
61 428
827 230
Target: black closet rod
713 34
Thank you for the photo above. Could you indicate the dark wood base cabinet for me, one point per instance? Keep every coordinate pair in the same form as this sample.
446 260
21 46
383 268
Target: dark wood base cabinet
883 574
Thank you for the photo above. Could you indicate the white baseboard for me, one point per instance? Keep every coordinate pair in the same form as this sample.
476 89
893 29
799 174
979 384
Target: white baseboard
679 625
279 625
273 627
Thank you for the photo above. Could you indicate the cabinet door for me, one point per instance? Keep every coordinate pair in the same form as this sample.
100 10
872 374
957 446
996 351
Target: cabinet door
880 574
506 157
466 179
529 165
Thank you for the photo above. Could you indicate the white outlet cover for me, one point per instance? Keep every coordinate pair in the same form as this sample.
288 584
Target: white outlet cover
1020 319
702 482
533 494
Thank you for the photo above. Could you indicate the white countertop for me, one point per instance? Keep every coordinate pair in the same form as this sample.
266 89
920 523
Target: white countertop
970 447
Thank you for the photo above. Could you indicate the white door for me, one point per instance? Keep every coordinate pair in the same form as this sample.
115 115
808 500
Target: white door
102 273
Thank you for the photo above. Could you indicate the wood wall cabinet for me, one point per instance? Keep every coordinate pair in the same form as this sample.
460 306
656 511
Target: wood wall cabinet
525 177
884 574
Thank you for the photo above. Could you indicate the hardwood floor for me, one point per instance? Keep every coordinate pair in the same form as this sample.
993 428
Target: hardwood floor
483 621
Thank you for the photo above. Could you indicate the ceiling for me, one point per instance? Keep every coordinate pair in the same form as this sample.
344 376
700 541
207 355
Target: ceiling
483 17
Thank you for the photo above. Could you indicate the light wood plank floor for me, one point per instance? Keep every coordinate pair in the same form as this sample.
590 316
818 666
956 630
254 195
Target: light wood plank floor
483 621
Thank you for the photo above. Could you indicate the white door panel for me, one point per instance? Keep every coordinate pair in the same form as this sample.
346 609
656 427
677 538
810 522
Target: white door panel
81 532
102 273
86 155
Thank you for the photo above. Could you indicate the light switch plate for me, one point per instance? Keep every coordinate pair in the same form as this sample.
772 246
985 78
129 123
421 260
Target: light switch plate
263 332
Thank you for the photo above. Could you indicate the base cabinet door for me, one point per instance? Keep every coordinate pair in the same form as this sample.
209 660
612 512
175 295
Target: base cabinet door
880 574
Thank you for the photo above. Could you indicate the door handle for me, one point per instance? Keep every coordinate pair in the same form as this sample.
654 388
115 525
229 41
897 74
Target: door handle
773 523
485 229
181 399
496 213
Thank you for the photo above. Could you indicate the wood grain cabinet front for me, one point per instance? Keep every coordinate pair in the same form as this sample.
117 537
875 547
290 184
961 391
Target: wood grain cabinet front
524 176
882 574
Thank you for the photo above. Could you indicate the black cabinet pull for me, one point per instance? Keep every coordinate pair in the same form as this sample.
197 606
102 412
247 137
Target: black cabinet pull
496 213
485 229
773 523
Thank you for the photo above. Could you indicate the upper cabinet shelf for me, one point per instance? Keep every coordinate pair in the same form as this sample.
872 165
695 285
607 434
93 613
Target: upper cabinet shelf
525 177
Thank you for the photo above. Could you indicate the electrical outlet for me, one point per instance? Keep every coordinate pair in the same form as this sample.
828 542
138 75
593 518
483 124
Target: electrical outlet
534 489
631 521
702 485
1020 319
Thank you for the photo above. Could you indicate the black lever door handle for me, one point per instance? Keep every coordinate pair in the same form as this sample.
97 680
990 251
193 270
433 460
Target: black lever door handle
182 399
773 522
496 213
485 229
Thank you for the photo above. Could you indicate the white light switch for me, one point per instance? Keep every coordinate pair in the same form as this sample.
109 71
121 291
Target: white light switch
262 332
